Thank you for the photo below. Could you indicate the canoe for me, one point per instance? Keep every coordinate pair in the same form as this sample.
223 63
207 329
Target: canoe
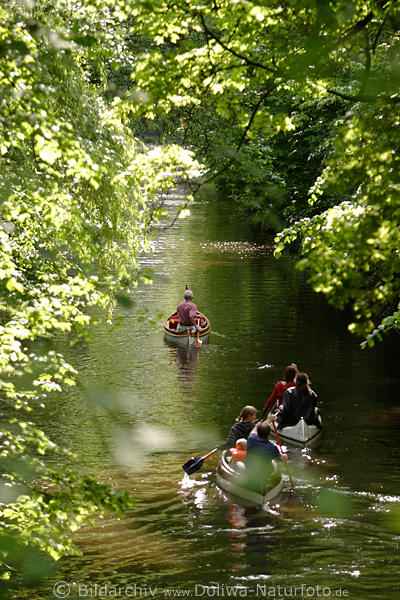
231 481
300 434
185 338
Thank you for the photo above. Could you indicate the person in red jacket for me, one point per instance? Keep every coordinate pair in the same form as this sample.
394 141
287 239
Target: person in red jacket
281 387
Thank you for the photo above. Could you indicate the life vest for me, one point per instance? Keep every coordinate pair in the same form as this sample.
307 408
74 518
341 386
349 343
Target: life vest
238 454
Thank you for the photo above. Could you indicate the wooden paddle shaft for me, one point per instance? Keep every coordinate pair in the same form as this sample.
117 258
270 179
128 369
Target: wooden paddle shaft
280 446
277 436
209 454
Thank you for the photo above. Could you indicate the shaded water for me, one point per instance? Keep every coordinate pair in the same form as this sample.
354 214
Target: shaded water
153 406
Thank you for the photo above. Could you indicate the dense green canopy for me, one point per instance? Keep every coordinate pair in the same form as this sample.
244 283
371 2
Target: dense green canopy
296 106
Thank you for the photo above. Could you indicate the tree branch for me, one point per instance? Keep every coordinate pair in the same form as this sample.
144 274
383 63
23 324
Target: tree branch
364 97
360 25
378 35
196 187
242 139
248 61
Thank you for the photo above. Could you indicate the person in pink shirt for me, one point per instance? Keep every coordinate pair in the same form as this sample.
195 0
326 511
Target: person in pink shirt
281 387
187 312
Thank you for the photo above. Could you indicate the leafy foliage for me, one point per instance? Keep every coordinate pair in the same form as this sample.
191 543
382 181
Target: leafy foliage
78 196
297 107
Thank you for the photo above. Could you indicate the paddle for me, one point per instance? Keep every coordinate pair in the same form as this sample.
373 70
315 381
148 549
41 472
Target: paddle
267 411
280 446
198 341
194 464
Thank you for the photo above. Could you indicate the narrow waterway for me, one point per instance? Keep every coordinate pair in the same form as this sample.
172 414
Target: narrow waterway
150 407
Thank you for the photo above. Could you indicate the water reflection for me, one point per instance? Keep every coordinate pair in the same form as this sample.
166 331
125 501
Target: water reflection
253 538
187 360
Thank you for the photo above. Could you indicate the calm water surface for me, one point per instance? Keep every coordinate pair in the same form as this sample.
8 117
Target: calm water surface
150 407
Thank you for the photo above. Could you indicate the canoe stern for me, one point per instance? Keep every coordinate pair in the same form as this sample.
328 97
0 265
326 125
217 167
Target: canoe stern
231 481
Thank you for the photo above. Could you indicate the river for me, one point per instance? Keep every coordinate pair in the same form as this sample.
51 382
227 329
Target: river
148 407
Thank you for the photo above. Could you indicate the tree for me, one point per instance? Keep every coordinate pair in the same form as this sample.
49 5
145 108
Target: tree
262 69
78 196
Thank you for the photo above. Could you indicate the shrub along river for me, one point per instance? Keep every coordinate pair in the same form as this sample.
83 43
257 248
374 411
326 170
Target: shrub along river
149 407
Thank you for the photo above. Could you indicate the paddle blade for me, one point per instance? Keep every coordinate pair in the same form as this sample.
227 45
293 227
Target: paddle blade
193 465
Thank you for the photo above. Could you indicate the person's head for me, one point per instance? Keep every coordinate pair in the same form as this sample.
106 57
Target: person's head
241 444
188 295
302 383
301 379
248 413
290 373
263 430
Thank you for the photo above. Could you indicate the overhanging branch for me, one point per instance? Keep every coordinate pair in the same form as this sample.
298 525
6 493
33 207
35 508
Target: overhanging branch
247 60
364 97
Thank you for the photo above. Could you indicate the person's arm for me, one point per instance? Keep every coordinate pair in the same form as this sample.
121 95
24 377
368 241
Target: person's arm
272 417
282 414
315 403
231 441
276 453
192 317
193 322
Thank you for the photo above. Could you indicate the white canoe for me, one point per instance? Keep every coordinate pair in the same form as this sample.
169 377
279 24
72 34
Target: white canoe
300 434
186 338
231 481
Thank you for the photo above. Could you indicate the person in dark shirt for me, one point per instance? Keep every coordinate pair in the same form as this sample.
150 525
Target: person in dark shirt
242 428
260 453
299 401
245 424
258 442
